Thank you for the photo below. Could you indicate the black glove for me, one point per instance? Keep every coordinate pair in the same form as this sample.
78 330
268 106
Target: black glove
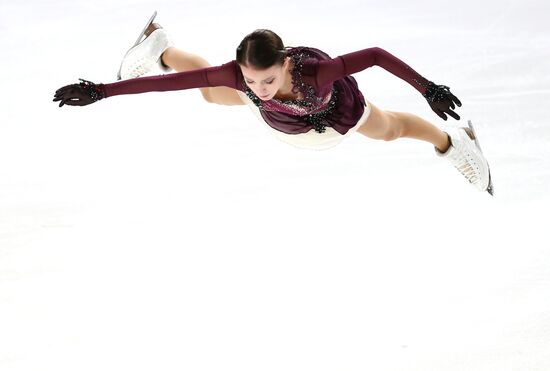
81 94
441 100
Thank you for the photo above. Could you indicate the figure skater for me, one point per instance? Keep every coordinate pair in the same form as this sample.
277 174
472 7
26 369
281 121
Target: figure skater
307 98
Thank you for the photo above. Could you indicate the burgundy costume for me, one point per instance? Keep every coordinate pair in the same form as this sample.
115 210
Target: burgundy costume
331 97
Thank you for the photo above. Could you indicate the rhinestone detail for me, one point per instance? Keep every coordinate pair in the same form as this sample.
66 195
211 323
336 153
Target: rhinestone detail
303 107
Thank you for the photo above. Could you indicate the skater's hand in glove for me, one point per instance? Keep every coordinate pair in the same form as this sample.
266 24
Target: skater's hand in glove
441 100
81 94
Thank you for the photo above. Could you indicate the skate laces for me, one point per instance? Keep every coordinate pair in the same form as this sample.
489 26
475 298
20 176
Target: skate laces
467 169
141 67
466 164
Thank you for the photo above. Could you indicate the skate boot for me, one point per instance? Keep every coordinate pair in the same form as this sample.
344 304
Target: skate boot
465 155
146 55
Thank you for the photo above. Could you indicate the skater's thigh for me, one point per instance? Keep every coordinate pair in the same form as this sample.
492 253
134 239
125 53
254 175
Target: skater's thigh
380 124
224 95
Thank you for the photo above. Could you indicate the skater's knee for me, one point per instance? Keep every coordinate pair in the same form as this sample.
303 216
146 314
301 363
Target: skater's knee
391 133
395 126
382 125
207 95
391 127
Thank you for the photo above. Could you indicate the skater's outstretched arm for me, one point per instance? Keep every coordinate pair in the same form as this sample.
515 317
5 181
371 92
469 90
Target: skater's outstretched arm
439 97
86 92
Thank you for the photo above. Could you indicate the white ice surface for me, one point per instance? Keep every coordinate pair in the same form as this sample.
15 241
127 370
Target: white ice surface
159 232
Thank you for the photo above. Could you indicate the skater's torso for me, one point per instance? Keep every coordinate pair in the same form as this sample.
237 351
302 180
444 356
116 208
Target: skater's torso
310 104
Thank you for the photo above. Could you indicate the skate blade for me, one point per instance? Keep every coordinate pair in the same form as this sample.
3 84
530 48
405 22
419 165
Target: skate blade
151 19
472 134
471 126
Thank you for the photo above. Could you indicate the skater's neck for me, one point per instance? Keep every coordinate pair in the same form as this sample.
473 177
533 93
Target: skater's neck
285 92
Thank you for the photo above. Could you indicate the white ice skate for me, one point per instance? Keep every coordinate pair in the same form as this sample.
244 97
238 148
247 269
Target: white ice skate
465 154
145 55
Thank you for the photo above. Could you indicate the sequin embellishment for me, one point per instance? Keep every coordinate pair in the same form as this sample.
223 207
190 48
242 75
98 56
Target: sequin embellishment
94 91
302 107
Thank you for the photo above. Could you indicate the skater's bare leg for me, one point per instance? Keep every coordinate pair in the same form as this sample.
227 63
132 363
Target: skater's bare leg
389 125
182 61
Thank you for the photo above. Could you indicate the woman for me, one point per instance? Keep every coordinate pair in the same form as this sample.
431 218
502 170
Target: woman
307 98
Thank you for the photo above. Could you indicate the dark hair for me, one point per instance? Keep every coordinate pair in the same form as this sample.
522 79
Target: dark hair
261 49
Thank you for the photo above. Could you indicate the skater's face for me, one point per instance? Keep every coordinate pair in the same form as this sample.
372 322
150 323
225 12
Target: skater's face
267 82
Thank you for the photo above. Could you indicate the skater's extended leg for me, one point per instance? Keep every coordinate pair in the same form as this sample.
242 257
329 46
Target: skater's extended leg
182 61
462 152
389 125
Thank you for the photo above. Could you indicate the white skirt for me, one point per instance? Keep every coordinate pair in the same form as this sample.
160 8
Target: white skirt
311 139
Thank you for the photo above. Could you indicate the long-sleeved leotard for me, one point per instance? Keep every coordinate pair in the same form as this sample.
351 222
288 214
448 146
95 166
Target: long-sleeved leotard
228 74
347 64
332 97
223 75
